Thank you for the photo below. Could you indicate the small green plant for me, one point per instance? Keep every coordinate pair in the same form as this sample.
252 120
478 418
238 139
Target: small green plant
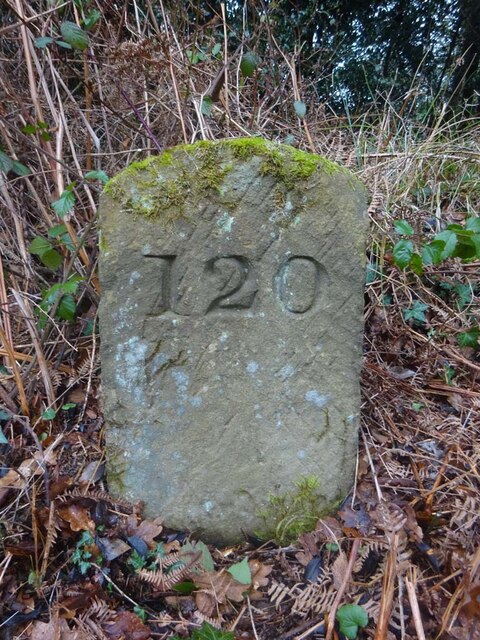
350 618
46 248
74 37
294 512
61 297
7 165
469 338
83 556
416 313
40 127
207 632
456 241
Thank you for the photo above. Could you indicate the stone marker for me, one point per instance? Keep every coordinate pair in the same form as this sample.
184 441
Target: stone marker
231 324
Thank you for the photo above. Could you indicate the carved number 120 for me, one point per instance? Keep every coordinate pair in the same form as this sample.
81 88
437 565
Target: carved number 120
230 282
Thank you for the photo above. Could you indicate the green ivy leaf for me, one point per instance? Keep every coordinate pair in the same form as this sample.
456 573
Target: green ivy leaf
300 109
64 204
42 42
241 572
469 338
39 245
248 64
416 312
74 35
97 175
350 617
402 253
49 414
403 227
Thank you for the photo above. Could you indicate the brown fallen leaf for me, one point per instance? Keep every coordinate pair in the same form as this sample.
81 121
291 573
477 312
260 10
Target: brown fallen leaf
127 626
78 517
260 573
148 530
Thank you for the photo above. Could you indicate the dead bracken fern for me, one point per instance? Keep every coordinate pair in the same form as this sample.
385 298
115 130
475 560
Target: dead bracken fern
166 577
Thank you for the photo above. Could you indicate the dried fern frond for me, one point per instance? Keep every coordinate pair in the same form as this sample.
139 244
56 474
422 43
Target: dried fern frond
53 529
98 494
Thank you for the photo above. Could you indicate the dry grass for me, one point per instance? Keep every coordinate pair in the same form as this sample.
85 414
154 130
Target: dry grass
408 538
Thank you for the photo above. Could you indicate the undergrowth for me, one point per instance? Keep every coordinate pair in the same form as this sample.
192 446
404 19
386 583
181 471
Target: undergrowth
404 546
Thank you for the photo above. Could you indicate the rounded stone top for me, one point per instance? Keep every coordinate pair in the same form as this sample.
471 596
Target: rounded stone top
160 186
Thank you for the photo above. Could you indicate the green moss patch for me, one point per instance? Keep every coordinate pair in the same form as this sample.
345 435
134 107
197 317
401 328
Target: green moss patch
160 186
295 512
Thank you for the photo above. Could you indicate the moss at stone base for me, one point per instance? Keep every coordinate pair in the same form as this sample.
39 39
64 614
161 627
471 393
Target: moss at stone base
295 512
202 167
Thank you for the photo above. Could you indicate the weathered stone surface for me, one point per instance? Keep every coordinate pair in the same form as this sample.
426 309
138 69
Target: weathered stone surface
231 324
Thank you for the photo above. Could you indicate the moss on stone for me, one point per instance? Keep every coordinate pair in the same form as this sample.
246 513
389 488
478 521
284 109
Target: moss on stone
295 512
160 186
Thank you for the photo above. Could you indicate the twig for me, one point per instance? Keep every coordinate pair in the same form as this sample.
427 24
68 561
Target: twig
341 591
412 598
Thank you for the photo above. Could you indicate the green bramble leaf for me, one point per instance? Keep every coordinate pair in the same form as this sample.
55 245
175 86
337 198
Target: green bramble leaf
64 204
402 253
67 308
63 44
20 169
57 230
432 253
92 18
248 64
300 109
74 35
450 238
241 572
350 618
39 245
97 175
403 227
29 129
416 264
6 163
52 259
206 106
